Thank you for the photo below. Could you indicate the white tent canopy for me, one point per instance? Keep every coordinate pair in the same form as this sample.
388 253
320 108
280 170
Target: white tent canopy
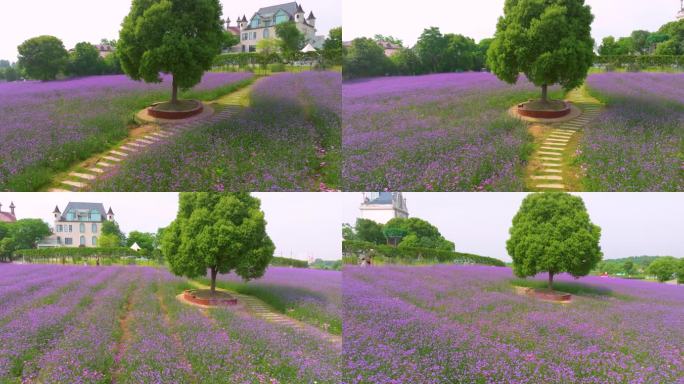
135 247
308 48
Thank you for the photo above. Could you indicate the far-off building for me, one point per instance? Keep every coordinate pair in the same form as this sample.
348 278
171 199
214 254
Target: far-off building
263 23
680 15
382 207
80 225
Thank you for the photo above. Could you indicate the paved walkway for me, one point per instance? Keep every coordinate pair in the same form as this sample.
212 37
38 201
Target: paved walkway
551 160
262 310
86 173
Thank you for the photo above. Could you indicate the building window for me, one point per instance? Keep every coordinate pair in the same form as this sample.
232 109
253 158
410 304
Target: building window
266 33
68 241
82 228
252 48
245 36
94 240
95 216
59 240
70 216
94 228
59 228
82 241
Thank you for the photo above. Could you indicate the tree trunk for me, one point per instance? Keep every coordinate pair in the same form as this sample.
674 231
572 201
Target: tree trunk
551 280
174 93
214 272
545 93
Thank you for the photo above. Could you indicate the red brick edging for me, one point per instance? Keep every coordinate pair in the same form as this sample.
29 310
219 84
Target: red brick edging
544 114
175 115
189 295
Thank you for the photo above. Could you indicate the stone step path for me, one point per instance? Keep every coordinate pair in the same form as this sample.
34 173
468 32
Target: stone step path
81 180
262 310
550 155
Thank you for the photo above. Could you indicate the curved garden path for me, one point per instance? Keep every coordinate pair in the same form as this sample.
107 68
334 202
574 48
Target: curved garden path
258 308
550 167
80 177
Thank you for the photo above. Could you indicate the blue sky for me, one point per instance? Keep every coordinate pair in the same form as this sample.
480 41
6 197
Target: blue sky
300 224
477 19
633 224
74 21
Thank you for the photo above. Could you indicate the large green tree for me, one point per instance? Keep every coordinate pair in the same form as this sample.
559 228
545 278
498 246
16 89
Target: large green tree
291 39
418 234
27 232
432 49
143 239
552 232
547 40
112 228
370 231
663 268
221 232
178 37
365 58
42 57
85 60
332 46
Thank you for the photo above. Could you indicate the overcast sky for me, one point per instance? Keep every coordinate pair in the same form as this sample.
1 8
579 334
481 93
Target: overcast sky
300 224
477 19
633 224
74 21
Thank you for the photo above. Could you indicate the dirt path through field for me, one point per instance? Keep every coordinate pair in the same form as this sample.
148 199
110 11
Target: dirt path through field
84 174
552 166
257 308
122 344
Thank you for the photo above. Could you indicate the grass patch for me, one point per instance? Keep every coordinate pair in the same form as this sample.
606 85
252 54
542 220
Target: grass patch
578 289
306 312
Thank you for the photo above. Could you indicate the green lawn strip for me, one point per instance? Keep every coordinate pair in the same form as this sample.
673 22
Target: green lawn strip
47 334
578 289
109 130
305 312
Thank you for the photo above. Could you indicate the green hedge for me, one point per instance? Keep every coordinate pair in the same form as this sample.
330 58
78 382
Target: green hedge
385 253
285 262
46 253
644 60
252 59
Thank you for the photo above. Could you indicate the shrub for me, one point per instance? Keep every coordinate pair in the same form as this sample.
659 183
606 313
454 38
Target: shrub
352 249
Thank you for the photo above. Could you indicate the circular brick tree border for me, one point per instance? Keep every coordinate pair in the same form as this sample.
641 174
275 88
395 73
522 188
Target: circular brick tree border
542 114
176 115
190 296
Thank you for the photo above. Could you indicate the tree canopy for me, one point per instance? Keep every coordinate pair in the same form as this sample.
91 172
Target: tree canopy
547 40
407 233
291 39
145 240
112 228
552 232
663 268
332 46
22 234
84 60
221 232
42 57
171 36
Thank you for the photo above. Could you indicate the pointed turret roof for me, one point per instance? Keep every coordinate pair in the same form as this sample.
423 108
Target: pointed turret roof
56 210
299 8
110 212
311 16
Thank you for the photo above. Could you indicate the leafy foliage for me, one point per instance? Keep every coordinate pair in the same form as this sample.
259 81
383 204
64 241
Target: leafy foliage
42 57
22 234
85 60
547 40
419 234
365 58
664 268
145 240
222 232
111 228
552 232
291 38
171 36
381 253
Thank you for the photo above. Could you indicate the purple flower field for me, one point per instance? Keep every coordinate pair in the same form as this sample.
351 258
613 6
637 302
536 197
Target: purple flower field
445 132
465 324
289 140
125 325
637 144
311 295
49 125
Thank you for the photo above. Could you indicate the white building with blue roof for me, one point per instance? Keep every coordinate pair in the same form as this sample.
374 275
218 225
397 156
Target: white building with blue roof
382 207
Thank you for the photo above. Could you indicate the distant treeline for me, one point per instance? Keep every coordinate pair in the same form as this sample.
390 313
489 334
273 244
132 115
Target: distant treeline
663 268
67 255
286 262
352 251
433 53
